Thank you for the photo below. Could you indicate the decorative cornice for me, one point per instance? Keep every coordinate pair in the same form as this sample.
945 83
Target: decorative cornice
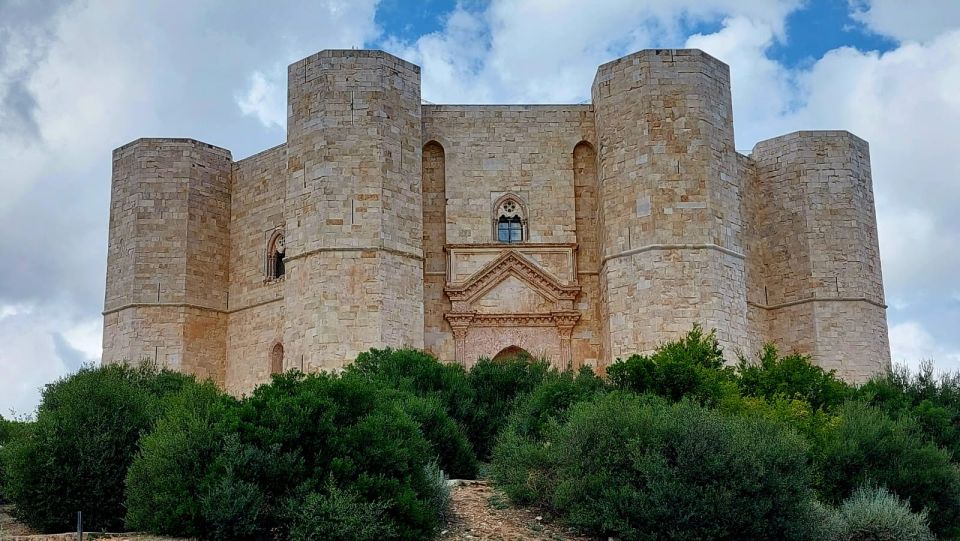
516 246
521 319
817 299
511 262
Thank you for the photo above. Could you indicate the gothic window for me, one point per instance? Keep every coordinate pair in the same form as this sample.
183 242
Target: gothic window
275 253
510 223
276 359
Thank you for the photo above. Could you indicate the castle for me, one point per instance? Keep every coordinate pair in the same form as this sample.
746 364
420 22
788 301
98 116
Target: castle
582 233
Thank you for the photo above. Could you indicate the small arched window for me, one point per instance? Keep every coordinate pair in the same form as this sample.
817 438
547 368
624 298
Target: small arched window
510 222
276 250
276 359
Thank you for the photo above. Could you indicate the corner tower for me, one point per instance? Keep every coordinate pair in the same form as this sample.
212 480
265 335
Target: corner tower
167 263
669 201
354 216
817 232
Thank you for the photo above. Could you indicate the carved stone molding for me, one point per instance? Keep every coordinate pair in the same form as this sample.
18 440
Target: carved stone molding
511 263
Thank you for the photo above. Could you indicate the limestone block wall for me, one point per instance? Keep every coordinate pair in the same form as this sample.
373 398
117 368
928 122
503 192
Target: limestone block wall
437 336
820 253
672 231
492 150
354 276
256 315
168 255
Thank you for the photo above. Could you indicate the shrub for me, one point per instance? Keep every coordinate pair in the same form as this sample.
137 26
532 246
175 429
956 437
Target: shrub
874 514
448 441
421 374
634 467
168 473
496 386
691 367
933 400
793 376
76 456
337 514
10 430
870 447
518 454
314 430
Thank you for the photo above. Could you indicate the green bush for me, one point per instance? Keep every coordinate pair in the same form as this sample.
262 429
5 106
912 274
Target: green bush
877 515
496 386
448 441
76 455
518 456
350 431
867 446
636 468
691 367
336 514
168 473
793 376
420 373
933 400
10 430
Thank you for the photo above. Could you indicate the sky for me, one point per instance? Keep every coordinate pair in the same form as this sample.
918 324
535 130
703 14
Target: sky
79 78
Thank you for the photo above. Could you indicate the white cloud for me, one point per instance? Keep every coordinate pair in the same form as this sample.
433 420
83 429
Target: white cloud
912 344
81 78
916 20
265 99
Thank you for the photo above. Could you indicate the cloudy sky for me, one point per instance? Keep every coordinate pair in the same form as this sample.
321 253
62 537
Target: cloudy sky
79 78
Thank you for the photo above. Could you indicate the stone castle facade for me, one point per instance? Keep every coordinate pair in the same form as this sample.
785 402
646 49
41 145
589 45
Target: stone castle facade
582 233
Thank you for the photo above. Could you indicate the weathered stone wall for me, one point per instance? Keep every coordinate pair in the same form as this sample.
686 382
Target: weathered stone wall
437 336
672 251
256 302
492 150
820 253
353 207
169 255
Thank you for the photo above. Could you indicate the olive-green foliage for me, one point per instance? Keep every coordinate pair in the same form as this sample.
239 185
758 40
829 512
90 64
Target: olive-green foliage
519 454
420 373
168 473
868 446
875 514
10 430
634 467
76 455
445 384
691 367
448 440
932 399
496 386
337 514
792 376
308 431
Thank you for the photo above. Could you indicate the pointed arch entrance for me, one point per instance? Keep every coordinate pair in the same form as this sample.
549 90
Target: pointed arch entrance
512 352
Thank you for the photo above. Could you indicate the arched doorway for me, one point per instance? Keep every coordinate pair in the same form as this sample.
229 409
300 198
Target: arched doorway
512 352
276 359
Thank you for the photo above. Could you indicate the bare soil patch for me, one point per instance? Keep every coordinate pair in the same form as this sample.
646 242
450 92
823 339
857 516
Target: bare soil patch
480 512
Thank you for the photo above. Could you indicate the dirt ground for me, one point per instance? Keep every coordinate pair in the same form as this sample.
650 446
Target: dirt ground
481 512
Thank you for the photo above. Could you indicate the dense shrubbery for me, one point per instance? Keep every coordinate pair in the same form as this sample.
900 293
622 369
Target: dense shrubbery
10 430
672 445
636 468
689 368
76 455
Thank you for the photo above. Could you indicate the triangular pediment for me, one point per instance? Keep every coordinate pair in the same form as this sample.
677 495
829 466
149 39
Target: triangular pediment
512 264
